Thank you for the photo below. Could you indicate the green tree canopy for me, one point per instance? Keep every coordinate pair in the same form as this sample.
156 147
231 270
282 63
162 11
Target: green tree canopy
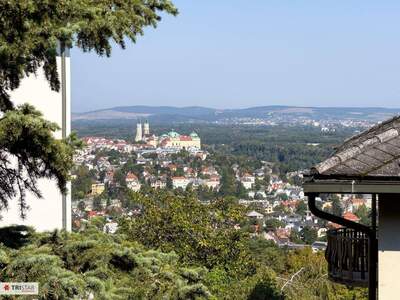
364 214
228 182
74 265
196 232
309 235
337 207
82 184
301 208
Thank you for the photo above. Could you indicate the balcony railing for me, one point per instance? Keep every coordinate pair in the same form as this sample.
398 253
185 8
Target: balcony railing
347 256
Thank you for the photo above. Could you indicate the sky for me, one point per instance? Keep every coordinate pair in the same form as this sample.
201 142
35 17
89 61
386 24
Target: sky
241 53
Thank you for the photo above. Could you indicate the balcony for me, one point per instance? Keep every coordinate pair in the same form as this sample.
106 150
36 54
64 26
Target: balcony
347 256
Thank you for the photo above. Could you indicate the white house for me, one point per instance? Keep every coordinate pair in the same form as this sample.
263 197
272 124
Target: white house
248 181
158 184
255 215
132 182
180 182
110 227
213 182
53 210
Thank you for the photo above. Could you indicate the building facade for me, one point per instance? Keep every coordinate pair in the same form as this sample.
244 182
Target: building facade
97 188
176 140
132 182
170 140
53 210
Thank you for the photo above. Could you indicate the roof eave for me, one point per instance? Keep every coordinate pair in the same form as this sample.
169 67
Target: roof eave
348 185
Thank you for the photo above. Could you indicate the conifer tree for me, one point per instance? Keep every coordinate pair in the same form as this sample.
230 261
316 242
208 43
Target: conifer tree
30 33
77 265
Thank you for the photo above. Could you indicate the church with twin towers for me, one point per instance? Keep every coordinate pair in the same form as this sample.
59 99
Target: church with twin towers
171 139
142 131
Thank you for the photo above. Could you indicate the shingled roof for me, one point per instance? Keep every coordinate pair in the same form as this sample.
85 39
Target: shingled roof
375 153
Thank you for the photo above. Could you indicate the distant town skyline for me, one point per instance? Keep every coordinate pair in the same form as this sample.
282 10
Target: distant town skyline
237 54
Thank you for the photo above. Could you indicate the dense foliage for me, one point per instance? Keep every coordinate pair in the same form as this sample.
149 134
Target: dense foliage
200 234
72 266
94 264
239 266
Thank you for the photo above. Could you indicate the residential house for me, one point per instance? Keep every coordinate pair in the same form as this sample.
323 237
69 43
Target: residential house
255 215
213 182
158 184
269 209
248 181
132 182
180 182
209 171
110 227
97 188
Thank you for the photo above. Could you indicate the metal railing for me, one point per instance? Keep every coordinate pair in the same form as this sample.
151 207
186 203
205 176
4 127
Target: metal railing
347 256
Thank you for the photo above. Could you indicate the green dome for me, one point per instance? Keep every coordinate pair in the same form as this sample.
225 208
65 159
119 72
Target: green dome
194 135
173 134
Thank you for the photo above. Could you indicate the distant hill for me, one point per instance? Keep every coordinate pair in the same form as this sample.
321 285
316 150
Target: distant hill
204 114
138 112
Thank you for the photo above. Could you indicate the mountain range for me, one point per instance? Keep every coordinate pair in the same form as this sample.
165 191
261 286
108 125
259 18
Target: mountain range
204 114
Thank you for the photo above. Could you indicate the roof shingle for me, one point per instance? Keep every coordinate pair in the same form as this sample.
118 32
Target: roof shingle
375 152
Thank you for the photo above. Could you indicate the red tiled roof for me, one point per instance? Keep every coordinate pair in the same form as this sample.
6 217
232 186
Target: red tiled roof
185 138
247 175
131 176
334 225
92 213
351 217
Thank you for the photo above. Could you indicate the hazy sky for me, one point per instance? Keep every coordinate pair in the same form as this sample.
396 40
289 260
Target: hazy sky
241 53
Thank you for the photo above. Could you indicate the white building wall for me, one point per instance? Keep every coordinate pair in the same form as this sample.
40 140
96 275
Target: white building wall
53 211
389 247
247 184
180 183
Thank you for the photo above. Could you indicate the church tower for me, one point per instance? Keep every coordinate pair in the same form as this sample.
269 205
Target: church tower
146 128
139 134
